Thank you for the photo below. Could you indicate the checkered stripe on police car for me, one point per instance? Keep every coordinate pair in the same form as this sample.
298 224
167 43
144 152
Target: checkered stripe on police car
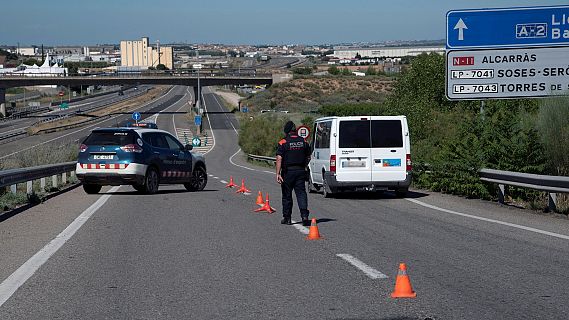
104 166
175 174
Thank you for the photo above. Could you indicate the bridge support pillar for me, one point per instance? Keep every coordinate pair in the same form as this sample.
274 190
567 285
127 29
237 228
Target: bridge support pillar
3 102
196 98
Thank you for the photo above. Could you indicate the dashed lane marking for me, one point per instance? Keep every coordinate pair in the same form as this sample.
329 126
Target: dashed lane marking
298 226
11 284
223 181
369 271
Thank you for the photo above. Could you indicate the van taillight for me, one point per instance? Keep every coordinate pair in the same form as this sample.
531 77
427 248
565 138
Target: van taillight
333 163
83 148
409 165
131 148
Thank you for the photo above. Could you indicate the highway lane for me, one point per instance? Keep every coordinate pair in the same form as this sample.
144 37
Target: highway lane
76 134
24 123
207 256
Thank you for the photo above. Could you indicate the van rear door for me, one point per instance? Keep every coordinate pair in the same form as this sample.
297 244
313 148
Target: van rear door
353 158
388 150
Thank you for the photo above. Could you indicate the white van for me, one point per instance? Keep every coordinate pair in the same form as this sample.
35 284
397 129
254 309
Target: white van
364 153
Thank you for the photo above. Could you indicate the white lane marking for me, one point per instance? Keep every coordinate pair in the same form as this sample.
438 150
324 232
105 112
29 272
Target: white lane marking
209 122
299 227
85 128
244 167
226 116
215 177
11 284
513 225
369 271
223 181
211 175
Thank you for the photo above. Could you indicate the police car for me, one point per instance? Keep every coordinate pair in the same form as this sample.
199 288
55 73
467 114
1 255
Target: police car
143 158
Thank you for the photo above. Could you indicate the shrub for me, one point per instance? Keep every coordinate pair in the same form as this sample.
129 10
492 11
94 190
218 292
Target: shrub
553 126
261 135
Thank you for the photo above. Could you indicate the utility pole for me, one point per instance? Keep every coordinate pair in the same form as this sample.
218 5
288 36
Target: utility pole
158 49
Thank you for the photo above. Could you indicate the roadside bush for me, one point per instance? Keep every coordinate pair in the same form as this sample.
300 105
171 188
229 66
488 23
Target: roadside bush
261 135
553 127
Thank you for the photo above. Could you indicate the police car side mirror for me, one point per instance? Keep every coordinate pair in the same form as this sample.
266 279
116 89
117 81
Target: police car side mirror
189 147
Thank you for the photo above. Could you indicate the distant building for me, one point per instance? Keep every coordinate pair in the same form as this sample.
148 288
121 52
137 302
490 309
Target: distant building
29 52
384 52
138 53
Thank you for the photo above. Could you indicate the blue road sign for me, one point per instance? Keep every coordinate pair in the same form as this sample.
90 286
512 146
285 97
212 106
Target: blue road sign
136 116
508 27
244 109
198 120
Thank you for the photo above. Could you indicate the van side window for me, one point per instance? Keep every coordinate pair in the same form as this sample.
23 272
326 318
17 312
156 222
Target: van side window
386 134
354 134
322 136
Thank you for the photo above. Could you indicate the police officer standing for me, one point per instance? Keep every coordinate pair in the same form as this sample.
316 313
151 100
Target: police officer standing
293 154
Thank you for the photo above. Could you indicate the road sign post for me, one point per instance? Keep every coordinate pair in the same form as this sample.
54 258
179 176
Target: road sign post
303 131
198 123
136 116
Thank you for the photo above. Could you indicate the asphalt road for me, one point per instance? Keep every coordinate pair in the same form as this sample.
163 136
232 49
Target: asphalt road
205 255
74 135
23 123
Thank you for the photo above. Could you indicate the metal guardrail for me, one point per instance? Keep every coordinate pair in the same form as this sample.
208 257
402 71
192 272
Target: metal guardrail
270 160
12 177
550 184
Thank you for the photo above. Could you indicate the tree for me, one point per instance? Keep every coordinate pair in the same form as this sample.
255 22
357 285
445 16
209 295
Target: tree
371 71
333 70
346 72
161 67
358 56
31 62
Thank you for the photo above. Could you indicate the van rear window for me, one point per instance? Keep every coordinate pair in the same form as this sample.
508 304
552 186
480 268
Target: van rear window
386 134
110 138
354 134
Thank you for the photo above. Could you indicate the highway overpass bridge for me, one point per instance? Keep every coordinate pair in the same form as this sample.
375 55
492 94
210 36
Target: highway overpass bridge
130 79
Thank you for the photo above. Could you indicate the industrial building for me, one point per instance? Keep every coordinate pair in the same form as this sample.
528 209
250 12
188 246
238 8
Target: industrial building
384 52
138 53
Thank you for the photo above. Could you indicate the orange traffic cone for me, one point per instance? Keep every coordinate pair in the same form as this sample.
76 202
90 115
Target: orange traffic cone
266 207
313 233
243 189
260 201
231 184
403 287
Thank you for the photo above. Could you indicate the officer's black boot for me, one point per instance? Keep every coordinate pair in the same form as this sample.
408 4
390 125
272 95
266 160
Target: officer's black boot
304 214
286 220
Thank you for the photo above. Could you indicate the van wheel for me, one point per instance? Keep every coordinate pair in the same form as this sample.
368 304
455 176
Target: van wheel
326 191
151 181
92 188
310 187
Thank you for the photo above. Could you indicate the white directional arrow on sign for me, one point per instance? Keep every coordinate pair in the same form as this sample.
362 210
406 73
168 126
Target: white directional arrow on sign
460 25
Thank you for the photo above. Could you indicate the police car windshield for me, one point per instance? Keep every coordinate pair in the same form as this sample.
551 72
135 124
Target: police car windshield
108 138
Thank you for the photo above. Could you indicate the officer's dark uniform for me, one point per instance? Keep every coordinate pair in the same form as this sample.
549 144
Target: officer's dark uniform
295 152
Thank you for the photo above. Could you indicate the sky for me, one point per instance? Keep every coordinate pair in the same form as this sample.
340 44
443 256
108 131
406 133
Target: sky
78 22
